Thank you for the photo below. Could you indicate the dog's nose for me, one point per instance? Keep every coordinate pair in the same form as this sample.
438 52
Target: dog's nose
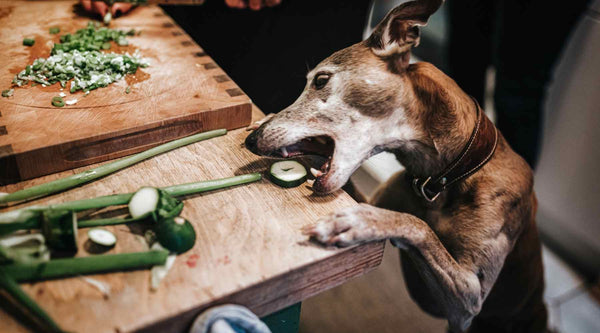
251 141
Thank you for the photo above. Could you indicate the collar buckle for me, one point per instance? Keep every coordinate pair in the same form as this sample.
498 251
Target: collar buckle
420 190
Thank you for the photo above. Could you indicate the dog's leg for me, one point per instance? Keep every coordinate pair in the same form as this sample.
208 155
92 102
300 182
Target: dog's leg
461 285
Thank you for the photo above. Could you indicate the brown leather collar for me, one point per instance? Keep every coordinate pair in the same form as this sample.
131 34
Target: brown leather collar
478 151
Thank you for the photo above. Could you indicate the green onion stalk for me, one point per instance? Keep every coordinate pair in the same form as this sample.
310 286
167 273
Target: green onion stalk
101 171
58 268
29 217
9 284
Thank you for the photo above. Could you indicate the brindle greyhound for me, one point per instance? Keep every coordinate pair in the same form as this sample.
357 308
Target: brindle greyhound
462 212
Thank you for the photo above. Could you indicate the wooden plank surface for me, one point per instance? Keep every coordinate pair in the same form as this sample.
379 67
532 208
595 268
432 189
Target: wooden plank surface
181 93
249 250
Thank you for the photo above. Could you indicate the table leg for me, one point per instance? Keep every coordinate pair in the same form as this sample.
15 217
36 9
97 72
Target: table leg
284 321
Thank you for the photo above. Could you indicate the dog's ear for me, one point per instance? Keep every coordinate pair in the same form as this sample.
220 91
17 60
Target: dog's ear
394 37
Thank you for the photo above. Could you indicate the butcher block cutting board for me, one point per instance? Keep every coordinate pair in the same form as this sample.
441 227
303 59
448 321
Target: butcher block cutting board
249 249
182 92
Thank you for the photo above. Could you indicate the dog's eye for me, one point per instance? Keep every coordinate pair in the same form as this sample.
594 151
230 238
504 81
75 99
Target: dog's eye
321 80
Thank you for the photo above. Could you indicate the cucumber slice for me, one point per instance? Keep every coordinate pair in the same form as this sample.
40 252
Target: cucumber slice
176 234
102 237
287 173
143 202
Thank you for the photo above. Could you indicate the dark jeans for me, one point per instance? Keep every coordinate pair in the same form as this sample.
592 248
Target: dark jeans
522 39
269 52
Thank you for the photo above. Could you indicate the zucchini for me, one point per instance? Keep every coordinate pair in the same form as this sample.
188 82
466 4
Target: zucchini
287 173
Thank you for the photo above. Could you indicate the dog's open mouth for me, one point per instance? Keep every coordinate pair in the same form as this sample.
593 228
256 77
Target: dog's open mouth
323 146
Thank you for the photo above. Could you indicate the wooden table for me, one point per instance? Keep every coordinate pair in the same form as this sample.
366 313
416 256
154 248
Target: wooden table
249 248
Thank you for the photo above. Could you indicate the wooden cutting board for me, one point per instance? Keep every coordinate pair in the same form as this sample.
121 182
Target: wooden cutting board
182 92
249 248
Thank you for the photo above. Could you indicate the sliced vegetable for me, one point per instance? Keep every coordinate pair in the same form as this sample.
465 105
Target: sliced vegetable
7 92
57 268
60 229
58 101
19 220
143 202
95 173
24 248
9 284
30 217
159 272
54 30
102 237
127 90
288 173
28 41
150 201
176 234
107 18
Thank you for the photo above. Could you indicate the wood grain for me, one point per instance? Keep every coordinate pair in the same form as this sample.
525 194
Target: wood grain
249 250
182 92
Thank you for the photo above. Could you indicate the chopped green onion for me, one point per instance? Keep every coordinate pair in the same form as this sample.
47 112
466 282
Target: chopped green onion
54 30
127 90
28 41
101 171
7 92
58 101
107 18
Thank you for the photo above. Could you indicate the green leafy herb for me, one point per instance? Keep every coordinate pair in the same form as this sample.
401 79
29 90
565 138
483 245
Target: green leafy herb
54 30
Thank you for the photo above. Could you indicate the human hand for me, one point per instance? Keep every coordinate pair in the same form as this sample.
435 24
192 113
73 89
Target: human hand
252 4
100 7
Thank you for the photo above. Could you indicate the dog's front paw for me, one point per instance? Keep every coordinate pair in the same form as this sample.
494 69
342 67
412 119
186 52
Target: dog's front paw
344 228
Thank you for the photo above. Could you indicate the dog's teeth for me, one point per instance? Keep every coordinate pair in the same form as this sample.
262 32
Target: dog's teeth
320 140
315 172
310 182
284 152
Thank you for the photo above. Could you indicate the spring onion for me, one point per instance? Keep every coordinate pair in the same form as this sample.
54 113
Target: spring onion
153 202
58 101
102 237
9 284
24 248
107 18
101 171
60 230
9 92
29 217
57 268
90 38
54 30
176 234
28 41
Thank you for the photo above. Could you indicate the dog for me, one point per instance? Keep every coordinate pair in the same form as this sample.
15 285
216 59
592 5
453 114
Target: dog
462 212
